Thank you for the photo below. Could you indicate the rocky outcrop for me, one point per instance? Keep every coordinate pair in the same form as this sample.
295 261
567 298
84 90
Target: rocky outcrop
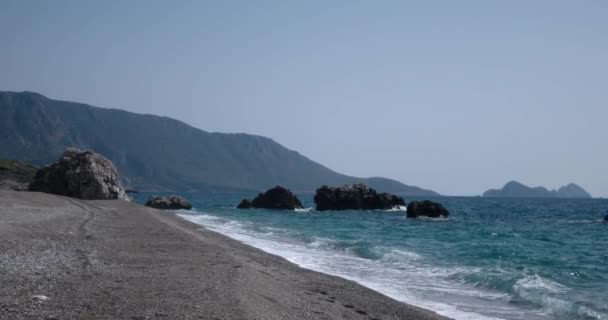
80 174
426 208
355 197
169 203
275 198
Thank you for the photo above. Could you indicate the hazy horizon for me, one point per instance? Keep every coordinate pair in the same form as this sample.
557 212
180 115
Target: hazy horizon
454 97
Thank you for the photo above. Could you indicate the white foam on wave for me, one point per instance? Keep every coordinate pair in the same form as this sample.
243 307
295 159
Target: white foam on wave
578 221
544 292
397 208
319 242
402 275
399 256
538 283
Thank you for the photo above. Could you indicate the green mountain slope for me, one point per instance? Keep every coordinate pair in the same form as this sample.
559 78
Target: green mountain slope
159 153
16 171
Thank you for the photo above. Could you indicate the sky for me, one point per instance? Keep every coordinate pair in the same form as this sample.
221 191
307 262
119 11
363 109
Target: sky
455 96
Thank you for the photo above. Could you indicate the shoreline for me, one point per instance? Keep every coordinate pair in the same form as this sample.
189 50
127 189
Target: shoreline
115 259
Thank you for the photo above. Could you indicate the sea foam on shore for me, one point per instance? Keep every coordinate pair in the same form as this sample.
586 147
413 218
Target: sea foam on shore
492 258
402 275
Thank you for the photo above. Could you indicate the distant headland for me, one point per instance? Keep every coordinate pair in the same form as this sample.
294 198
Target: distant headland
514 189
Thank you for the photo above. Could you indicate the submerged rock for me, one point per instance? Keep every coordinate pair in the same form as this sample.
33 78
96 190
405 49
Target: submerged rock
80 174
426 208
275 198
606 218
245 204
355 197
168 203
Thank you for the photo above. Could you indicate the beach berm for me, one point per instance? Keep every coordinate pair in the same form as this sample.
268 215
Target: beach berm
64 258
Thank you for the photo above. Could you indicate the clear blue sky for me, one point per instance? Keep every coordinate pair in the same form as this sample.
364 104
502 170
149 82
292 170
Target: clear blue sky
456 96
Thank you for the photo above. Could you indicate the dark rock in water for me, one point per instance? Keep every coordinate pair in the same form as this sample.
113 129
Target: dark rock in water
168 203
275 198
606 218
426 208
80 174
245 204
355 197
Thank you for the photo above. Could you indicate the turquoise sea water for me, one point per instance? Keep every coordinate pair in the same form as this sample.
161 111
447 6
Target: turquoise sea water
491 259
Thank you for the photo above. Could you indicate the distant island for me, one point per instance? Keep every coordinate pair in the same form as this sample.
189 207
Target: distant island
154 153
515 189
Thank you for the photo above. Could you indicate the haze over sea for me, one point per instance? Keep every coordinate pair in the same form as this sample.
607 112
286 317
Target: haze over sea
491 259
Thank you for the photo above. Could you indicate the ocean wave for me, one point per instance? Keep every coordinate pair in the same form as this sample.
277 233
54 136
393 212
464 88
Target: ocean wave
548 295
396 255
397 208
431 219
401 274
580 221
536 283
319 242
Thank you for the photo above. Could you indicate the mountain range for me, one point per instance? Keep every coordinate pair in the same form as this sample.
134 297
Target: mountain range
154 153
515 189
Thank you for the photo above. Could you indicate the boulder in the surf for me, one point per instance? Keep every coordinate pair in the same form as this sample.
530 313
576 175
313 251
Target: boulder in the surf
276 198
169 203
355 197
426 208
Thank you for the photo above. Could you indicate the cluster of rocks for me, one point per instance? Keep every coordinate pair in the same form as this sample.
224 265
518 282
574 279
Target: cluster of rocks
88 175
347 197
169 203
355 197
275 198
80 174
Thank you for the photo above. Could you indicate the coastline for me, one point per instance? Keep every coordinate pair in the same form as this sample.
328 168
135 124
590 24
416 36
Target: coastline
115 259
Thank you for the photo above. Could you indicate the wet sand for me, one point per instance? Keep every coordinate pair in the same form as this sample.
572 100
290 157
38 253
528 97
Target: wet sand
63 258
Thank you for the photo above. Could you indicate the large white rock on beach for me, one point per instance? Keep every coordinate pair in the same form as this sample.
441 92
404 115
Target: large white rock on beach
80 174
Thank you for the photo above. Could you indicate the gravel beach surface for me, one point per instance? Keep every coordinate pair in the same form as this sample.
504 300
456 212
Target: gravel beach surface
62 258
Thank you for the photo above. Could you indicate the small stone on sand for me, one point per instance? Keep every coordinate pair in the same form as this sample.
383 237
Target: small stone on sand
40 297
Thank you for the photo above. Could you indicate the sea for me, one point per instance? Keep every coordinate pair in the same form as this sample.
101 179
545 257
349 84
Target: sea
490 259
